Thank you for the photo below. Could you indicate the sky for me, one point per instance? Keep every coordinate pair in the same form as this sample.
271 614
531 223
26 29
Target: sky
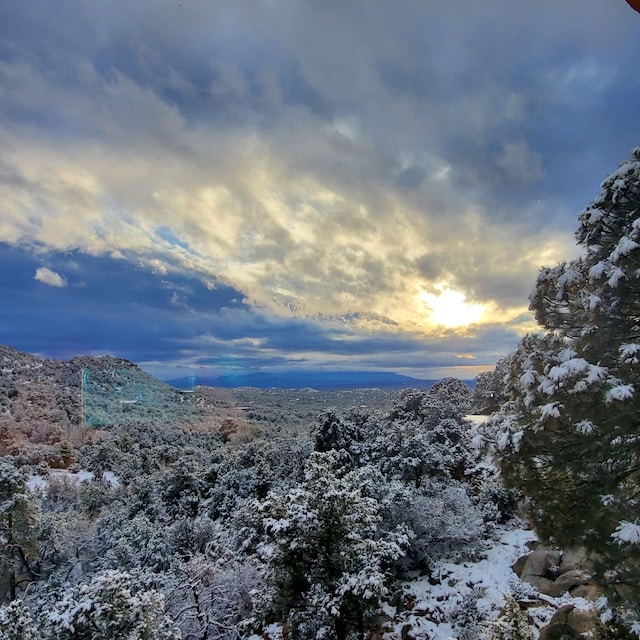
213 186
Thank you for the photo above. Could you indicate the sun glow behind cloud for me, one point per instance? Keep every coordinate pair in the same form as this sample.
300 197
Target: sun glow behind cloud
449 308
289 241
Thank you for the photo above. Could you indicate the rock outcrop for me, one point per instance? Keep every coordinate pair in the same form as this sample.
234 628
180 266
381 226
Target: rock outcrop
554 573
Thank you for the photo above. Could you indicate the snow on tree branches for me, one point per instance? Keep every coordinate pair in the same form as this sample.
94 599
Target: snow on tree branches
569 436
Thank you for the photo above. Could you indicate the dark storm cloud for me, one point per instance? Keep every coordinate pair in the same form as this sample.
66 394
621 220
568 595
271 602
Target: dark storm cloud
109 306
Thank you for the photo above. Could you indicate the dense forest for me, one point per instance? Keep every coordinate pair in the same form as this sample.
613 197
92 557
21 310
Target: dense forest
131 510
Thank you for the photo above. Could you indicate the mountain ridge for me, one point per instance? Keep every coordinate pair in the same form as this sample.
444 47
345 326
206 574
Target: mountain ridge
306 379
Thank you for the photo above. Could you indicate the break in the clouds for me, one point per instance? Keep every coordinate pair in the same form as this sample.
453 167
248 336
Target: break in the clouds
365 177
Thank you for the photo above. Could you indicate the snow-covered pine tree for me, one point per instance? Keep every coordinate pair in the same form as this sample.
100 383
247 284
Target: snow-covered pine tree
327 556
16 622
19 528
489 392
113 606
570 438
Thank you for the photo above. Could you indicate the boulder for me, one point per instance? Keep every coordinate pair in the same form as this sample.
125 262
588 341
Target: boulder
543 585
567 581
539 569
588 591
541 563
576 558
518 565
580 621
405 632
559 631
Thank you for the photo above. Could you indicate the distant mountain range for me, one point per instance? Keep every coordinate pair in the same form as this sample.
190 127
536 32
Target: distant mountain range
320 380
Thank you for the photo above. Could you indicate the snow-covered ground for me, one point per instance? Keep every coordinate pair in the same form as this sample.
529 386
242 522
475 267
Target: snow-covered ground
482 584
38 482
476 418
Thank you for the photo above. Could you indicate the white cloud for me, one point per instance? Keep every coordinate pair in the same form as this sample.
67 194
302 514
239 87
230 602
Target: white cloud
47 276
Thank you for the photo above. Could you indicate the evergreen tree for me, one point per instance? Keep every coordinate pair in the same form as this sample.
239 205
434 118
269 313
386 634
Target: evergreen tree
489 392
326 552
19 525
110 607
455 392
570 436
16 622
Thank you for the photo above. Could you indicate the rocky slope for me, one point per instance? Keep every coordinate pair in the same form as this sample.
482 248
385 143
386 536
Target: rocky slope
48 407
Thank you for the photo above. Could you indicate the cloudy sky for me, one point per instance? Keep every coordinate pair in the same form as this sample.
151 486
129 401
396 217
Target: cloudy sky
214 186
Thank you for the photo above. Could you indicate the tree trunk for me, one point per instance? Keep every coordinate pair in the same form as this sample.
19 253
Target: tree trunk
360 619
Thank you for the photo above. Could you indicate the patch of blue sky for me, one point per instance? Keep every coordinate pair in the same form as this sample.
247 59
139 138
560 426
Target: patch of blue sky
167 234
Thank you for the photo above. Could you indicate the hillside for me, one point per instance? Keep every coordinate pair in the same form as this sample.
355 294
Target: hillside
39 405
218 501
417 536
49 407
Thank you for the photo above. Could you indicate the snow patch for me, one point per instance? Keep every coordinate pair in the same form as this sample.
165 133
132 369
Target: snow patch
593 302
490 579
597 271
585 427
528 378
621 392
624 248
476 419
37 482
628 532
629 353
550 410
615 276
